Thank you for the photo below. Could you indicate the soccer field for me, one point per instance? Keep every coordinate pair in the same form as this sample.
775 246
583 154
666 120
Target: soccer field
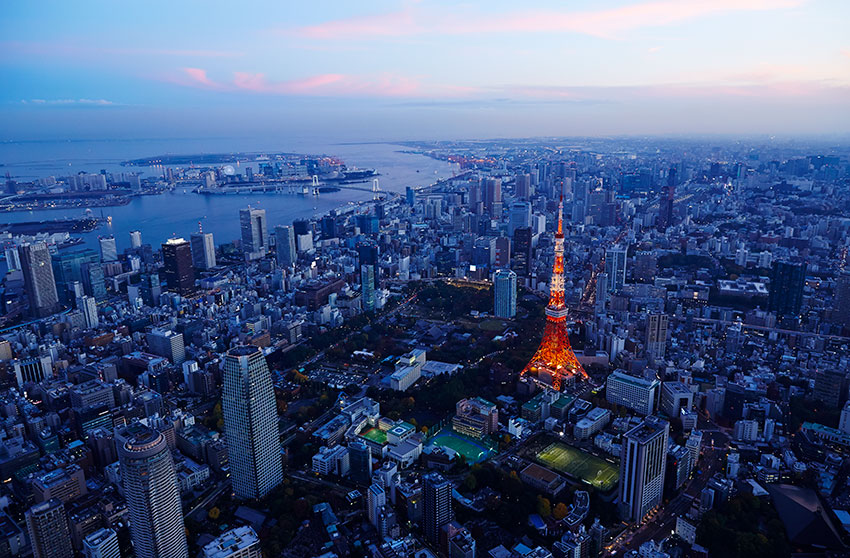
375 435
472 451
578 464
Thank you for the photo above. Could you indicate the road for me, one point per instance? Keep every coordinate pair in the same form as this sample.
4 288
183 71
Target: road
208 499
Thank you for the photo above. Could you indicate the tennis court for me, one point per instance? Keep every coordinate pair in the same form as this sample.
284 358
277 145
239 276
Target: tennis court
471 450
580 465
375 435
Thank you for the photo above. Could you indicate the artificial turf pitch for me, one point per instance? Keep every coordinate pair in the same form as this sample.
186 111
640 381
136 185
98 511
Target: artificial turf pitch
578 464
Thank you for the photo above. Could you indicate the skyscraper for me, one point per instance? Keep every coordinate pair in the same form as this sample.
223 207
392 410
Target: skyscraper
504 289
167 343
135 239
48 529
38 279
376 498
842 300
493 196
656 335
522 251
668 196
615 267
642 463
360 460
108 248
367 253
250 423
786 288
252 223
88 306
103 543
73 265
522 186
177 263
601 292
437 505
203 250
152 493
520 216
285 253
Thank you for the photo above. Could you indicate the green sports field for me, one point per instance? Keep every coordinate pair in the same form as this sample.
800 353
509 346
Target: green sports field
578 464
376 435
471 450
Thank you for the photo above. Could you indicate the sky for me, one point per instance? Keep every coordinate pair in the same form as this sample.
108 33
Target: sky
393 70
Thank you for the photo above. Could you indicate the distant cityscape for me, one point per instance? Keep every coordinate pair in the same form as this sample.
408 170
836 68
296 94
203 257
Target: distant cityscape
570 348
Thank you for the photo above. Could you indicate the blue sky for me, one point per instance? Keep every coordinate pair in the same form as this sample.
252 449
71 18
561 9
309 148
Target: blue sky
399 70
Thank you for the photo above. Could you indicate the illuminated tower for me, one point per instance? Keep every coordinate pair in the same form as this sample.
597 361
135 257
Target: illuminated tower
554 361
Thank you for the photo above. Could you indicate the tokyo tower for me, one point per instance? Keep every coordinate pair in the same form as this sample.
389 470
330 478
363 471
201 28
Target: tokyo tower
554 362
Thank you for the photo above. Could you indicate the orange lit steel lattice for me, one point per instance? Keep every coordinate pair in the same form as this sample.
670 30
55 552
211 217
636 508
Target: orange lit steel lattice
554 362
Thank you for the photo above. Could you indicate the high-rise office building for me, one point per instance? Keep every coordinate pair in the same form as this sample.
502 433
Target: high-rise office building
376 498
830 387
203 250
656 335
367 254
360 461
94 282
285 253
520 216
152 493
492 196
328 226
841 311
103 543
88 306
108 249
177 264
646 267
522 240
668 196
50 536
642 463
135 239
601 292
252 223
504 289
615 267
437 505
786 288
38 279
522 186
13 259
70 266
251 423
168 344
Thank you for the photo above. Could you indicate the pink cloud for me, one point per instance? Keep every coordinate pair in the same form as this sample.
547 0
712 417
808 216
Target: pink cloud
322 85
198 77
601 23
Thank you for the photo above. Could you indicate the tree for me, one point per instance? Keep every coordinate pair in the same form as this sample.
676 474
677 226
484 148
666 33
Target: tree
470 482
560 511
424 429
214 513
544 507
